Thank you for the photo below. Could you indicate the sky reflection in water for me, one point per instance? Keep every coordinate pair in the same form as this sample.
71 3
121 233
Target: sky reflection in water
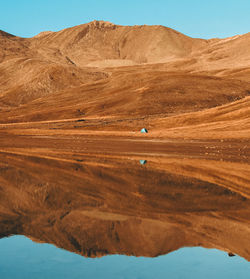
21 258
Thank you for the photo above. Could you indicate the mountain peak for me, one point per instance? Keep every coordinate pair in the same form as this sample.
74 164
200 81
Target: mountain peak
101 24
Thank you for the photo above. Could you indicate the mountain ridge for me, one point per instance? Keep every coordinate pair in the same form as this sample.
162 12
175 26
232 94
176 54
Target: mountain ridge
71 101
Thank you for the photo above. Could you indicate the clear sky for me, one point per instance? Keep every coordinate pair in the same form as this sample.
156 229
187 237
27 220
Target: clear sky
196 18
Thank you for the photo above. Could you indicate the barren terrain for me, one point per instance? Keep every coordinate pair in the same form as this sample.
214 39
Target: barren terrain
72 104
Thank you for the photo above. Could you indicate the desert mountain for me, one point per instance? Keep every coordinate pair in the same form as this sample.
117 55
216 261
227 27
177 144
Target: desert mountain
72 104
50 62
81 71
102 43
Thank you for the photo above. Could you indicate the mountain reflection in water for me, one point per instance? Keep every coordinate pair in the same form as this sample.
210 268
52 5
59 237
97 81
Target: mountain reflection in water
96 205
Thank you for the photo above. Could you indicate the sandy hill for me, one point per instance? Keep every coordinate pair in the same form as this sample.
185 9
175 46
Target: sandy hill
100 69
51 61
101 42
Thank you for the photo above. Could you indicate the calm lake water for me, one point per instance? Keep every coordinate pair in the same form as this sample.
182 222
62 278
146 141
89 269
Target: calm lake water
89 216
21 258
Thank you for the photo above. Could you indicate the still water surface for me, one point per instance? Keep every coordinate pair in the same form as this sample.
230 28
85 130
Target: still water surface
103 211
22 258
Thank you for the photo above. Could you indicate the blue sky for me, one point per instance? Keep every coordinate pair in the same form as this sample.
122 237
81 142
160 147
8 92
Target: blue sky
196 18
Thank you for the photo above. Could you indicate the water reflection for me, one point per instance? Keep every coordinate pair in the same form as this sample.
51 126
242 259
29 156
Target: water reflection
22 258
96 205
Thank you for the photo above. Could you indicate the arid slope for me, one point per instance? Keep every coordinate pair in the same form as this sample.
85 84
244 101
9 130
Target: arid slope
85 92
77 72
49 62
